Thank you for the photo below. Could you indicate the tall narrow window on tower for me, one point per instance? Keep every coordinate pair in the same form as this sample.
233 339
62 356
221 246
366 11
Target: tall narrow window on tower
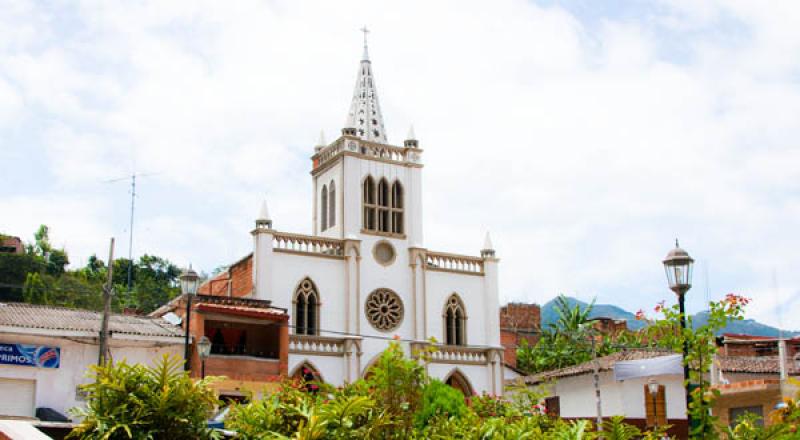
397 208
332 205
370 207
324 208
384 219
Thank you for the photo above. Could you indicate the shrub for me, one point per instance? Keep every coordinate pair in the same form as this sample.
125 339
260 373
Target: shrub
440 399
138 402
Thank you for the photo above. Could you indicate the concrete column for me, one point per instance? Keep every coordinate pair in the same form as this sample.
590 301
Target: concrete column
418 293
492 300
262 263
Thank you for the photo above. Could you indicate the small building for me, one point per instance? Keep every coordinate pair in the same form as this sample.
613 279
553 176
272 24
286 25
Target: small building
11 245
249 342
46 353
571 392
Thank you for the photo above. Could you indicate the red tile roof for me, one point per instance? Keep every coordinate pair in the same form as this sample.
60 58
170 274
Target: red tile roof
252 312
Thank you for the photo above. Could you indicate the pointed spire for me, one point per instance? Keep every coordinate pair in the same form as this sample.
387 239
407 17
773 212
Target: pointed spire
411 135
263 220
488 248
365 119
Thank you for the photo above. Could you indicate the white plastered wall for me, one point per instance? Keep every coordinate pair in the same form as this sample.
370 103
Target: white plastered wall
577 398
57 387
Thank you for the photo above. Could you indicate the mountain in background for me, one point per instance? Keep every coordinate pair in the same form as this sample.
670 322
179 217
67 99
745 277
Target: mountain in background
746 326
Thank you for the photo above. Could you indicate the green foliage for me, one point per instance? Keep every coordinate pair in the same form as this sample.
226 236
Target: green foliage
440 400
615 429
40 277
138 402
700 348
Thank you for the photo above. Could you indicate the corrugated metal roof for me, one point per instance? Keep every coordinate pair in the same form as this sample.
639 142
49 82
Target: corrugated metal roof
61 318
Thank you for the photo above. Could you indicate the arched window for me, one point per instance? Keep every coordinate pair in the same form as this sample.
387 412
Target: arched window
455 321
309 376
397 208
324 208
370 205
306 308
384 218
332 205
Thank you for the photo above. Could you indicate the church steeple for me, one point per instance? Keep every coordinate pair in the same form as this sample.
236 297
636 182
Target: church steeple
365 119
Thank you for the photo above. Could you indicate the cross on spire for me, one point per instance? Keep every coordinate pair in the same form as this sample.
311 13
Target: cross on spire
365 57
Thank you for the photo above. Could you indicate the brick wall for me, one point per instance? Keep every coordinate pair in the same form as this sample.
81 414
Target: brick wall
239 276
518 322
519 316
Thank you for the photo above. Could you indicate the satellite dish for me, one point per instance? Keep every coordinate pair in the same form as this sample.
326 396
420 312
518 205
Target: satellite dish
172 318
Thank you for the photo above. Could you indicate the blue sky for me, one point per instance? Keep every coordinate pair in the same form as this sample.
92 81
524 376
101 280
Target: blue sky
584 135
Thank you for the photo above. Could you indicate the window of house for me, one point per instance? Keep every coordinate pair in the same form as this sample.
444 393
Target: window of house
370 205
455 320
306 305
735 413
552 405
332 205
324 208
655 406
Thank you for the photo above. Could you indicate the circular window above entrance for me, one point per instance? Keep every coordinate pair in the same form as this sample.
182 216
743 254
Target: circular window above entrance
384 310
384 253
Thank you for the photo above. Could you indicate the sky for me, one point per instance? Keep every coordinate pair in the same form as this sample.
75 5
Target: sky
586 136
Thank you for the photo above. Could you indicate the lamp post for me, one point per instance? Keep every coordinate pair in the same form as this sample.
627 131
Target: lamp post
204 349
189 281
652 387
678 266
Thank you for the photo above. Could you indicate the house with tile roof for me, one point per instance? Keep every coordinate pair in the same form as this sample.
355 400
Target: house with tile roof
249 341
46 352
746 384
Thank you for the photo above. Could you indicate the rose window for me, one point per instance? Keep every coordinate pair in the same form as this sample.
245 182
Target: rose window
384 309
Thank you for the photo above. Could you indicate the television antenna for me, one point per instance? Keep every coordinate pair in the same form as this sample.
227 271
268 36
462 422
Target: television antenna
132 177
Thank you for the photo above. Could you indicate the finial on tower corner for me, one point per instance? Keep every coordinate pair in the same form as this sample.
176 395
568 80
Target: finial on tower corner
321 143
488 248
263 221
411 139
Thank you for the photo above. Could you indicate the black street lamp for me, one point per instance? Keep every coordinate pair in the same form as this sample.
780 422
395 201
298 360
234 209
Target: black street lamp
189 281
652 387
678 266
203 349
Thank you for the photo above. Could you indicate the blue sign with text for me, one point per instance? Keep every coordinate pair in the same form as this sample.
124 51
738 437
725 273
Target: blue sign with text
30 355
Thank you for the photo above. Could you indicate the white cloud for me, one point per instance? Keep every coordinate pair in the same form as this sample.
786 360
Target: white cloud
584 148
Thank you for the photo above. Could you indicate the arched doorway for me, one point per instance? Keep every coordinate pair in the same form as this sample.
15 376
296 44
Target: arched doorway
457 380
309 375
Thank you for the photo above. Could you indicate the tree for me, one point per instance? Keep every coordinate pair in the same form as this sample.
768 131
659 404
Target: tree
133 401
35 290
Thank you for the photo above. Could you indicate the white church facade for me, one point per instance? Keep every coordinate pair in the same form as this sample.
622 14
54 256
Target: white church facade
364 277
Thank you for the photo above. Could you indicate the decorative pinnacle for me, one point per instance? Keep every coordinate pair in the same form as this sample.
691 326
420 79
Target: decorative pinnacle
321 142
488 248
263 219
411 135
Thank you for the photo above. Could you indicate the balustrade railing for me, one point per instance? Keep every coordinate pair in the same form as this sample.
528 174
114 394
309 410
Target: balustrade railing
307 244
454 263
320 345
381 151
454 354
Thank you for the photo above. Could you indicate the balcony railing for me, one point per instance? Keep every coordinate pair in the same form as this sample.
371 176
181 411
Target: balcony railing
307 244
455 354
318 345
454 263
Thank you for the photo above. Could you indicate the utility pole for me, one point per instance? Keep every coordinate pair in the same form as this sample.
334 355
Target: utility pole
596 376
108 290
